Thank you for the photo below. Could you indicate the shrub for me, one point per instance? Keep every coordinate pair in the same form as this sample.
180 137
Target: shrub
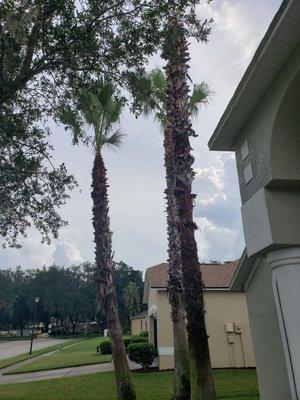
127 341
144 334
142 353
138 339
105 347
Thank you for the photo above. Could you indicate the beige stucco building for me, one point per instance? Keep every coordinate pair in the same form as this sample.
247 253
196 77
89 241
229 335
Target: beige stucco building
139 323
226 317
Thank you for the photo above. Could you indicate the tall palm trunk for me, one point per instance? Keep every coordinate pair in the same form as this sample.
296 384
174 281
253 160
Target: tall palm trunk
177 55
175 289
104 264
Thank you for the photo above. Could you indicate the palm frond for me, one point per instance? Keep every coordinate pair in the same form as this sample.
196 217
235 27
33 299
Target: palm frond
200 95
159 85
103 90
143 85
116 139
158 78
151 94
88 105
101 108
147 109
115 108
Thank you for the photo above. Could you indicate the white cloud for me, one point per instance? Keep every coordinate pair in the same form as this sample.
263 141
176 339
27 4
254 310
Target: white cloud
231 19
66 253
213 174
34 254
217 243
217 212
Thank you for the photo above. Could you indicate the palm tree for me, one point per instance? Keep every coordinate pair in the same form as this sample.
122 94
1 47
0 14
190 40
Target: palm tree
100 109
131 298
152 92
178 130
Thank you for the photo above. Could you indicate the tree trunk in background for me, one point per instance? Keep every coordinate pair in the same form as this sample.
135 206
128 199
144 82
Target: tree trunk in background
175 288
104 265
177 55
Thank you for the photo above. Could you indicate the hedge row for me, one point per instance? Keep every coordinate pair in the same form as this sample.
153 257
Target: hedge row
105 345
139 351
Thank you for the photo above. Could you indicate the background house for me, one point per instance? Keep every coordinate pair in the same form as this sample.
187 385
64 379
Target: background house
261 124
226 317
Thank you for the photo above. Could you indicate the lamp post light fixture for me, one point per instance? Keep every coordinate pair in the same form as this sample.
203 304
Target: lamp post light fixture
36 299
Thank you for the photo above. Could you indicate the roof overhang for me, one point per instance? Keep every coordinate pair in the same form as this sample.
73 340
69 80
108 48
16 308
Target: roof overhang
242 272
274 50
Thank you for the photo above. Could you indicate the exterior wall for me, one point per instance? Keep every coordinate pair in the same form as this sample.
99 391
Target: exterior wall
268 347
258 131
271 220
269 146
222 307
228 349
152 307
138 325
164 332
152 300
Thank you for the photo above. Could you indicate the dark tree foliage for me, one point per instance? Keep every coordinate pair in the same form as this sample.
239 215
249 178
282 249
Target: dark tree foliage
123 274
21 314
31 188
69 295
48 47
66 294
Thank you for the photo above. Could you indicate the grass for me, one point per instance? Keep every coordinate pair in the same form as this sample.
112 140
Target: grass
76 335
7 362
230 384
81 353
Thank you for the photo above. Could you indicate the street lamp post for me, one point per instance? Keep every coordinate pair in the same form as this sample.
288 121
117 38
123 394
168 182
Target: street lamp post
36 299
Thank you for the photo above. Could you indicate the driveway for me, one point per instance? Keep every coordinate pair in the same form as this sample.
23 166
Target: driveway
15 347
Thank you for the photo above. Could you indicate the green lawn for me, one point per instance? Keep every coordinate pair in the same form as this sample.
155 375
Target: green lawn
6 362
231 385
81 353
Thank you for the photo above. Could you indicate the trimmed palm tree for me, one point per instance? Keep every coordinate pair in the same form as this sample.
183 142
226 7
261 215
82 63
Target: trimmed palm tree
178 129
152 92
100 110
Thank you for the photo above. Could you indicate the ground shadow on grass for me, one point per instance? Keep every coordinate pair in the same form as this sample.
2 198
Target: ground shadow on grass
231 385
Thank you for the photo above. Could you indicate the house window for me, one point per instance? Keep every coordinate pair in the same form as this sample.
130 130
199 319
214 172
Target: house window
248 173
244 150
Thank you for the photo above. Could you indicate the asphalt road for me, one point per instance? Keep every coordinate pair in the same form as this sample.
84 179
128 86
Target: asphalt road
14 348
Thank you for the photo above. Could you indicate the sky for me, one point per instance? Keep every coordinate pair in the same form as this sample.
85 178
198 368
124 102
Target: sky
136 171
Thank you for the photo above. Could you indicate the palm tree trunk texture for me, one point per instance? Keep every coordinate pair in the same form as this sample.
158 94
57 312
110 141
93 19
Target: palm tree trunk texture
104 265
177 55
175 288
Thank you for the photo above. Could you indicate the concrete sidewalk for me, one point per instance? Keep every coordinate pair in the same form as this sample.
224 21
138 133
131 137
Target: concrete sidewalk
60 373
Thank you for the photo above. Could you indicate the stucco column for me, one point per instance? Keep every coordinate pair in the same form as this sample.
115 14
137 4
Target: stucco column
285 265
